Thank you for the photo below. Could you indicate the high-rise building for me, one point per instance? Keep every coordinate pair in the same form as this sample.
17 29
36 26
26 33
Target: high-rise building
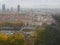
18 8
3 7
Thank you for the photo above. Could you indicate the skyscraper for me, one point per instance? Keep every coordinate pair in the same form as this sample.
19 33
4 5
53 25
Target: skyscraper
18 8
3 7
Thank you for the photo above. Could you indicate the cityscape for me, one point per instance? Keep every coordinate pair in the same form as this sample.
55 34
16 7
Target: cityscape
29 26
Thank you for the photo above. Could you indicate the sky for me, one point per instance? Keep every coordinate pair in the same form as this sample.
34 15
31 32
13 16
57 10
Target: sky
31 3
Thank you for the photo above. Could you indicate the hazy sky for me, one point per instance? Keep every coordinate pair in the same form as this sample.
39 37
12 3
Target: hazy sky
31 3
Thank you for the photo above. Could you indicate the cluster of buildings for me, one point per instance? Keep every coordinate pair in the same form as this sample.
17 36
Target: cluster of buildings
28 18
11 9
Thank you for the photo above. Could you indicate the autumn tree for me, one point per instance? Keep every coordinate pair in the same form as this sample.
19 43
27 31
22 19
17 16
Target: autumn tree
13 39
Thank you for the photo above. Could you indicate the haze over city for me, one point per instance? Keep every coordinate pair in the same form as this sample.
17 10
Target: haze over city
31 3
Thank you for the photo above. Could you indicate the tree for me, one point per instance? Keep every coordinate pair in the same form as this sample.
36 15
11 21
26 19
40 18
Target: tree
47 36
14 39
57 19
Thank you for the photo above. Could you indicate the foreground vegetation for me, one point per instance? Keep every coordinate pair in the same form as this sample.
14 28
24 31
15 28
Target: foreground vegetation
14 39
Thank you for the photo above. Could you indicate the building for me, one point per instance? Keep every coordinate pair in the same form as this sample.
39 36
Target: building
3 7
18 8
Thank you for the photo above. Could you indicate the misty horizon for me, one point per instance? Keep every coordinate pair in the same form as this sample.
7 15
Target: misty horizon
31 3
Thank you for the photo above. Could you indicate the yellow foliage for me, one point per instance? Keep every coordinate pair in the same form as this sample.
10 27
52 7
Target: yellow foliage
13 38
11 23
19 36
3 37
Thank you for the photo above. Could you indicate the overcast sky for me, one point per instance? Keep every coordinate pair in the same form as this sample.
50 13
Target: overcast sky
31 3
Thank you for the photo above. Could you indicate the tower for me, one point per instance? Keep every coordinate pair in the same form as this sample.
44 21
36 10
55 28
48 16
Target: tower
3 7
18 8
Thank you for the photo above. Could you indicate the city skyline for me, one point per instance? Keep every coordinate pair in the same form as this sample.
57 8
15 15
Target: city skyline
31 3
10 9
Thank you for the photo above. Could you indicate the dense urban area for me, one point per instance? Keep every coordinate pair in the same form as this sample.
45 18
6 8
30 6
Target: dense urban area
24 26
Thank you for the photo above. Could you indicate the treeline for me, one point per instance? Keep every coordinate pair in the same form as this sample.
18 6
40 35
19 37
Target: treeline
11 23
11 26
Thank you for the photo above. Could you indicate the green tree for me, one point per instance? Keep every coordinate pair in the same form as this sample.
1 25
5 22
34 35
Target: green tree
47 35
57 19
